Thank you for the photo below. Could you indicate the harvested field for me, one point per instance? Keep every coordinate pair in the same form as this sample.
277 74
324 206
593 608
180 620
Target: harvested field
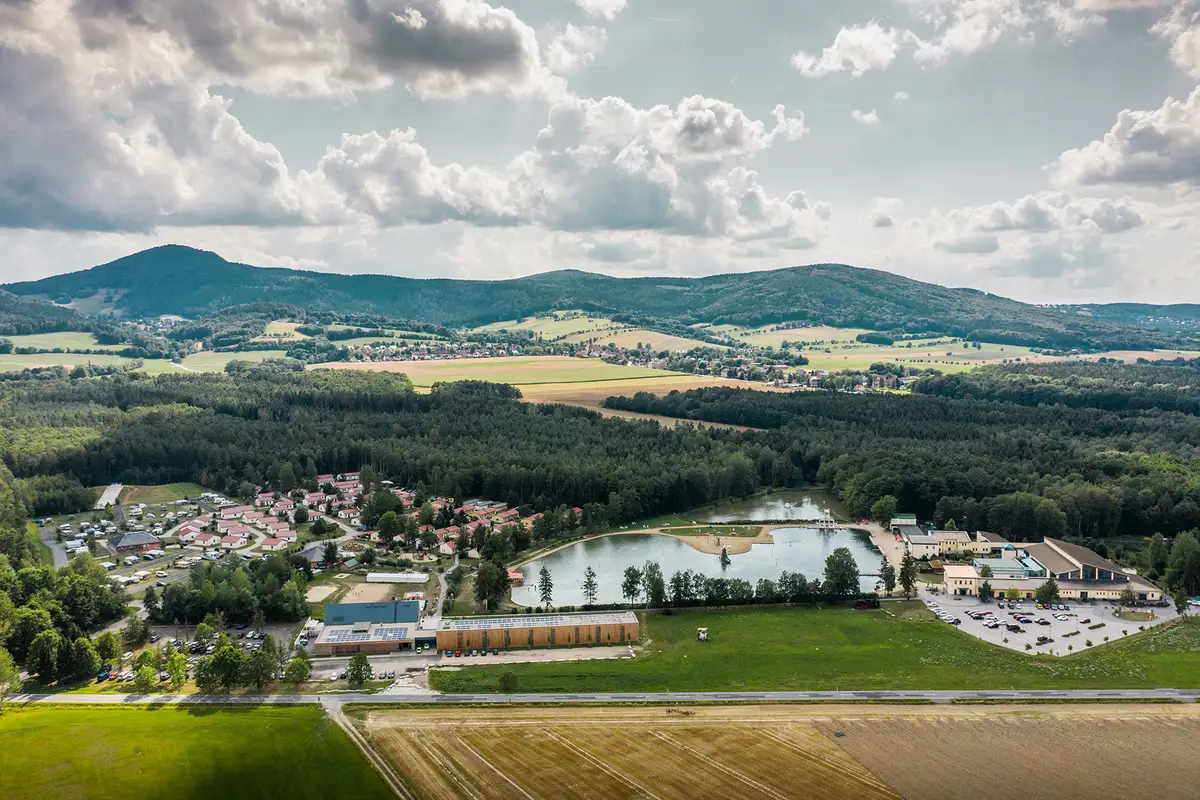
613 753
780 751
590 395
534 370
1115 754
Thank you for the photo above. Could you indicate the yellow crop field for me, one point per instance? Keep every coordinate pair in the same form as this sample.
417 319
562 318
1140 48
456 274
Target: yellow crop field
519 370
631 337
779 751
280 331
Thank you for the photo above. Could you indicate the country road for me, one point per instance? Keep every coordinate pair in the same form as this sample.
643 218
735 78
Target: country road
336 701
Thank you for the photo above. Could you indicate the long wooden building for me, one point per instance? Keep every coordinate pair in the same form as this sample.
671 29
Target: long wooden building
550 630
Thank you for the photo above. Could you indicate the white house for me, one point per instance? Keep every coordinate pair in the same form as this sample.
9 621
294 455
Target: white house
271 545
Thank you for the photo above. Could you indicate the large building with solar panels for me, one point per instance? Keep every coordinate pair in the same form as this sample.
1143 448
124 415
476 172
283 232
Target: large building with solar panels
371 628
551 630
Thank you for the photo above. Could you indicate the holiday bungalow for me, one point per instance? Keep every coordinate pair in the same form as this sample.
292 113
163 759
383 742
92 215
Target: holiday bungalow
271 545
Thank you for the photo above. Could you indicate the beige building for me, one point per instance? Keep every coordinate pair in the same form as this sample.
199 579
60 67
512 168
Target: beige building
1080 573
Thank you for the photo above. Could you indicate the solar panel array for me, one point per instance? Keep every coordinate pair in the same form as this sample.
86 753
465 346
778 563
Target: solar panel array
334 635
556 621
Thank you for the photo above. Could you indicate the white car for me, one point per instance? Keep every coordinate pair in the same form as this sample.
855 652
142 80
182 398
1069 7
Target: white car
333 676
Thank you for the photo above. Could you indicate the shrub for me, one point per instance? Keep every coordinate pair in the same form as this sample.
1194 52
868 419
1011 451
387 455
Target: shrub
1097 625
1088 643
1028 646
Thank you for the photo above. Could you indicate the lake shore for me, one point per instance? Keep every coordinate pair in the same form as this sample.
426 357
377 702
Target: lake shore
705 543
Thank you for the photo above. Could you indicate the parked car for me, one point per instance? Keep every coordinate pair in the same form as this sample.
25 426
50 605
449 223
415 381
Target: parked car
474 652
458 653
333 676
1086 621
1015 628
1043 621
495 651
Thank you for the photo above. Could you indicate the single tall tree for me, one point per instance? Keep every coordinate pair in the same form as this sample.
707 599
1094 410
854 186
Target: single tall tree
1159 554
330 554
908 575
359 670
10 676
887 574
590 587
884 509
545 586
631 586
1048 591
841 574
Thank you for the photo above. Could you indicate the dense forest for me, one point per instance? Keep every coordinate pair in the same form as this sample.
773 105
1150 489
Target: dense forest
1077 385
461 440
189 282
1022 471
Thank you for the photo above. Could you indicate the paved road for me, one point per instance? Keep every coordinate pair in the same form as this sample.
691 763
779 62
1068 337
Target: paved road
57 549
338 700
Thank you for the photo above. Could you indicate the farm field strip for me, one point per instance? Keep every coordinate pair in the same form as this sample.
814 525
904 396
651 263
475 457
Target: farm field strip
613 754
519 370
75 340
778 751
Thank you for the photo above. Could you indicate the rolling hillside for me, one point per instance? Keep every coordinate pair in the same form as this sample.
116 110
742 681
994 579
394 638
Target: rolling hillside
180 280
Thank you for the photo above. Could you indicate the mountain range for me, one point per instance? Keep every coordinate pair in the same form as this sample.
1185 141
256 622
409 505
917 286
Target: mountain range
174 279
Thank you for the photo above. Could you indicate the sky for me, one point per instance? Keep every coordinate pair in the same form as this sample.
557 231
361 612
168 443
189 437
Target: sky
1046 150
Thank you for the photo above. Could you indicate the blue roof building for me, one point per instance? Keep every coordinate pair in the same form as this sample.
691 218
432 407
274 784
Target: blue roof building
397 612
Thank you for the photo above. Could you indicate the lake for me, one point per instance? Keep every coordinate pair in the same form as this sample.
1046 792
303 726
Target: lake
810 504
795 550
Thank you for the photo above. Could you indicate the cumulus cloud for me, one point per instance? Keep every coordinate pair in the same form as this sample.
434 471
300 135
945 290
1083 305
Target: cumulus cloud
900 96
868 118
856 49
1042 213
1182 29
884 211
974 243
963 27
609 9
1145 148
77 157
574 47
436 48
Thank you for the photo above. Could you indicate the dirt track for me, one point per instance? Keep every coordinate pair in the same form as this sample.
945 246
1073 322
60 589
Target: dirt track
782 751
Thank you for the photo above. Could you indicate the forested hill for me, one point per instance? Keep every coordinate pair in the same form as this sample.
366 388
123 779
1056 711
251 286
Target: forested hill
181 280
22 315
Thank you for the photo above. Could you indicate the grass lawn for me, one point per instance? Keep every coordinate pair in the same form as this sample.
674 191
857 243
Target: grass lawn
902 647
101 753
215 362
43 551
166 493
73 340
556 326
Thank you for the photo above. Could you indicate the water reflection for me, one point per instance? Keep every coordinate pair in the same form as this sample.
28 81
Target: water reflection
801 550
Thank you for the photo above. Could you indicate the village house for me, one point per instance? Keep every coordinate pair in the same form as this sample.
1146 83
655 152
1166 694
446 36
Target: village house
283 504
233 542
448 548
206 539
271 545
324 479
286 535
187 535
264 499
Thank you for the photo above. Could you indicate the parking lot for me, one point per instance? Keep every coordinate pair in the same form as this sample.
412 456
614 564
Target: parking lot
1076 614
